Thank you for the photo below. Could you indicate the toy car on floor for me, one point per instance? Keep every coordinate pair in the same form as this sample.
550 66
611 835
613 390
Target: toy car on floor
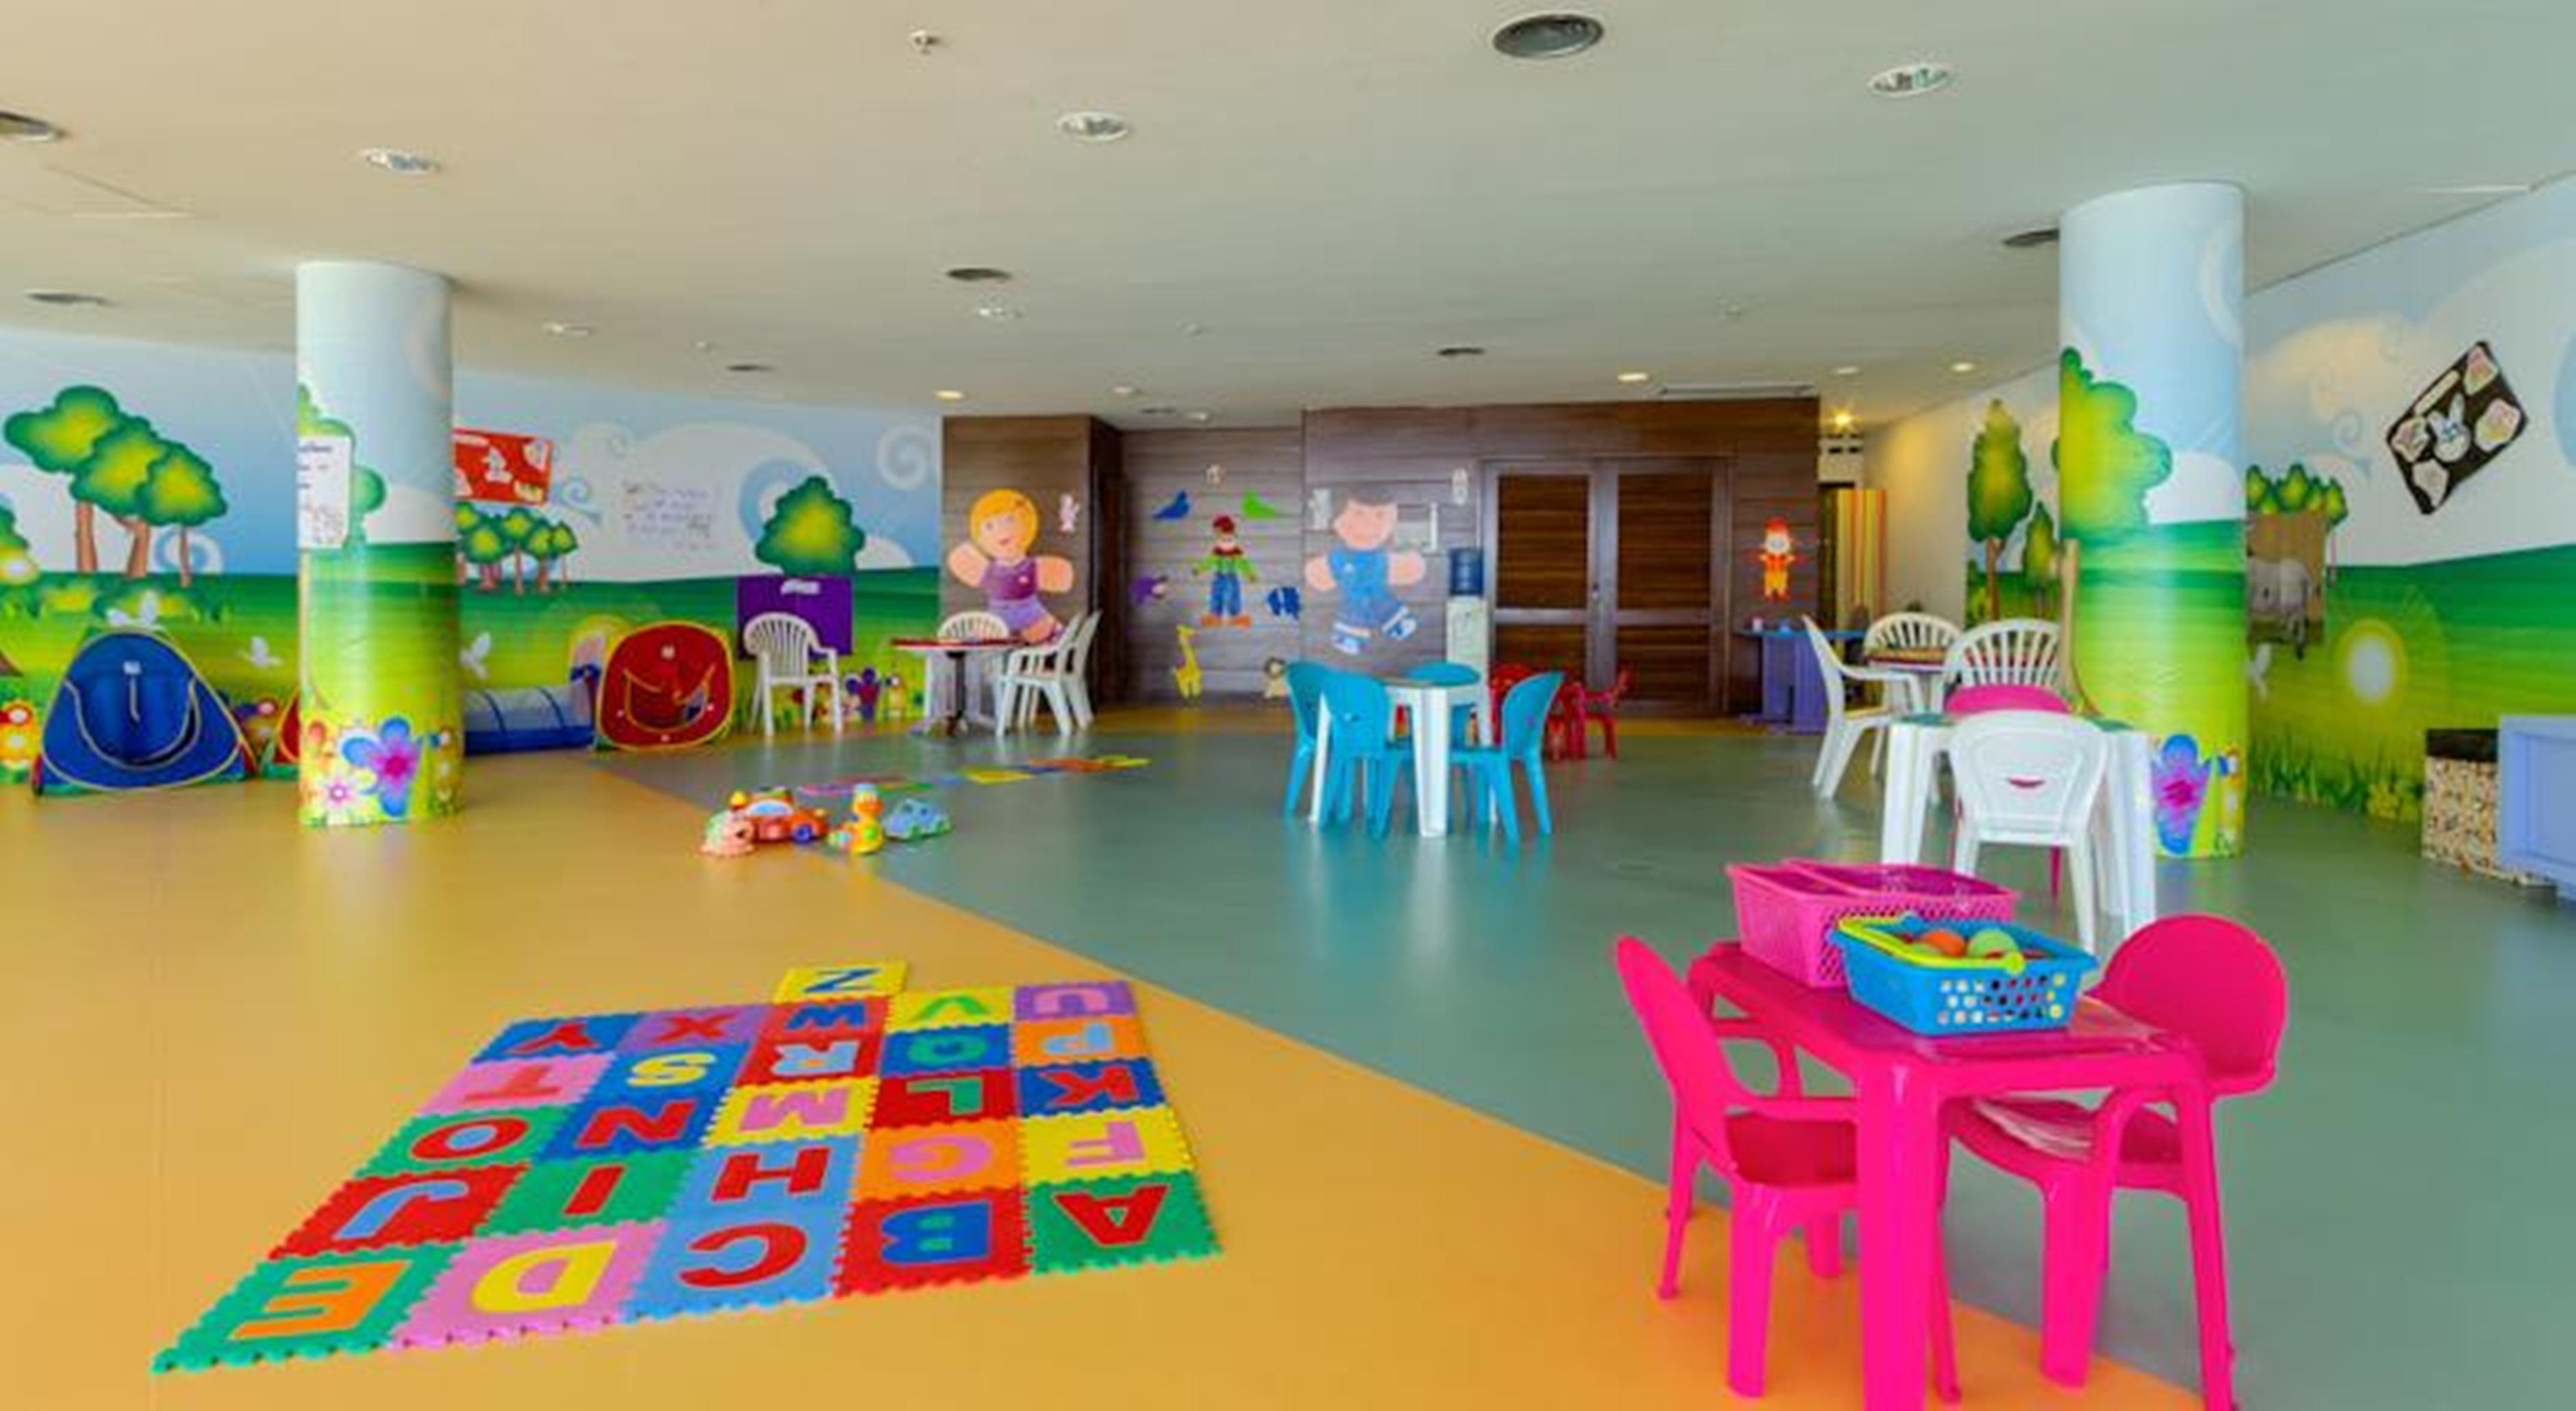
914 820
776 817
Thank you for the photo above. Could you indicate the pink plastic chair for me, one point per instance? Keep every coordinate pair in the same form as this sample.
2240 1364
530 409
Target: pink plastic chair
2210 980
1789 1162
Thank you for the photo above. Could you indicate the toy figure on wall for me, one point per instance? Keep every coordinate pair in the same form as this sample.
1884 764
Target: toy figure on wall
1185 677
1779 551
1366 572
1227 569
1000 530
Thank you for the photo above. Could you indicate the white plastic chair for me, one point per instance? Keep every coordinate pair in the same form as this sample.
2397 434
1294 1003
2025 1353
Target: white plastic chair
1845 723
1042 673
791 656
974 626
1910 632
1079 686
2017 651
2032 778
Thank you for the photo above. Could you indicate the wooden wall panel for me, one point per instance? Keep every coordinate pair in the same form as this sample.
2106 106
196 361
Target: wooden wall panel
1542 540
1541 647
1159 465
1664 539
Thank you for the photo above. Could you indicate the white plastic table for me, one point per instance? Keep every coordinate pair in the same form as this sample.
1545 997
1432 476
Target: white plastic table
2124 828
947 681
1430 706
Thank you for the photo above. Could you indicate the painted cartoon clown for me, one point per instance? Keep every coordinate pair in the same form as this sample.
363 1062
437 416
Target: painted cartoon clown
1227 569
1778 552
1367 574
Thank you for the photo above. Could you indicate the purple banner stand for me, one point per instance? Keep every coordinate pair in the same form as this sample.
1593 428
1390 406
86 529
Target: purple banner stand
824 604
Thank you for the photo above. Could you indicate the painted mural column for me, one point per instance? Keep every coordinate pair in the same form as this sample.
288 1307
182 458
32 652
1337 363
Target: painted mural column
381 736
2151 513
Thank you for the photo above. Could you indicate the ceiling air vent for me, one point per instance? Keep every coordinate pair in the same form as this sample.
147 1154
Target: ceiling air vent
1730 391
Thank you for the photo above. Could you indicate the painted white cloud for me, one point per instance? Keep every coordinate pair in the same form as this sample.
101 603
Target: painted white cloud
2202 486
882 552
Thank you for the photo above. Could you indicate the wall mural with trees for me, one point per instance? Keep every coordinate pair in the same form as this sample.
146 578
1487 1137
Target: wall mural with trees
154 486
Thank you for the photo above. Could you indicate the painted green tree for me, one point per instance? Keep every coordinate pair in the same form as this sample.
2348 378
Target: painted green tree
180 491
112 479
517 528
2105 467
812 531
555 545
2039 557
17 556
1999 493
62 438
483 546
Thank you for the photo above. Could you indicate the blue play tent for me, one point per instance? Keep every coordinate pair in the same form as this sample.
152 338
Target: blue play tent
132 713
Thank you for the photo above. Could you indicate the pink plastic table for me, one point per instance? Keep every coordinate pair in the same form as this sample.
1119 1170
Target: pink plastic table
1902 1081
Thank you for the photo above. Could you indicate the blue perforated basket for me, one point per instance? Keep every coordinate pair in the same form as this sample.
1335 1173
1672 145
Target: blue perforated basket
1938 996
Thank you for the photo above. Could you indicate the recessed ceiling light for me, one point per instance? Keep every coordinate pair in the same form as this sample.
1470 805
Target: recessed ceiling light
25 127
1122 390
569 330
1547 36
978 274
704 345
1093 126
1912 80
1193 330
1963 365
1198 416
1461 350
398 161
997 313
949 394
1843 420
1158 411
2481 188
67 298
1633 378
2031 239
751 369
1848 370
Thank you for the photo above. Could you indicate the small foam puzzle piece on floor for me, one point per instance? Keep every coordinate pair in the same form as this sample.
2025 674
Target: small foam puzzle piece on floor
848 1137
1004 774
848 980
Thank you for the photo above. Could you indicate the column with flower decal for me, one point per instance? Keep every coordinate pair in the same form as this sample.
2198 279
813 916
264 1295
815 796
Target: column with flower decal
383 737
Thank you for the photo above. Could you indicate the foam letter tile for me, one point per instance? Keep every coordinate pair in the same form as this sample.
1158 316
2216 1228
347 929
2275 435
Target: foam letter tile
946 1050
1132 1141
813 1060
706 1263
772 1178
549 1281
1089 1087
920 1099
695 1028
706 1068
524 1082
1038 1043
900 1163
1127 1220
453 1139
826 1019
1074 1001
789 1112
948 1009
414 1207
611 1190
943 1239
847 980
308 1307
622 1126
573 1037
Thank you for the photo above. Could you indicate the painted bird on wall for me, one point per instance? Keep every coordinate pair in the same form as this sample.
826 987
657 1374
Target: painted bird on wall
1179 508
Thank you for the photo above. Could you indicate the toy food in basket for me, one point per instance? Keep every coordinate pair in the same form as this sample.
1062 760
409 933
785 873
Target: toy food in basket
1785 914
1981 978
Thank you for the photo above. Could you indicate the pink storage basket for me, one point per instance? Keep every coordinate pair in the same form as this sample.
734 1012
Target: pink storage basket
1786 913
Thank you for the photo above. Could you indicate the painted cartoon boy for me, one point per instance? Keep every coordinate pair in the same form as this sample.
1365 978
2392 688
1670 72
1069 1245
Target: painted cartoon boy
1367 574
1228 569
1778 552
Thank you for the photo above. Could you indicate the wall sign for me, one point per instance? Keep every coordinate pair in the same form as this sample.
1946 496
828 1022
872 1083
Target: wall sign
322 468
500 468
2462 420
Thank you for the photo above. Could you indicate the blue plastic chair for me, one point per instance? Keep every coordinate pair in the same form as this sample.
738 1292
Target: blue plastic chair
1462 719
1306 704
1362 753
1489 767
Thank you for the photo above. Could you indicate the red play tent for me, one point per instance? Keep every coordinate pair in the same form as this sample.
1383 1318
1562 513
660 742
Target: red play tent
666 686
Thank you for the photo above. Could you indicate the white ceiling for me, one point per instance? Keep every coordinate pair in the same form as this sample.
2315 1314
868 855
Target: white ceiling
1331 188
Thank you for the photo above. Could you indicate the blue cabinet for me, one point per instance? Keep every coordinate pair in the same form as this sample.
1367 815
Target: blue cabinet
2536 797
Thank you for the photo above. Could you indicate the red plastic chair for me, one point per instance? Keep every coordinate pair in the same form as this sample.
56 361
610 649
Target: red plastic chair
2210 980
1789 1162
1602 708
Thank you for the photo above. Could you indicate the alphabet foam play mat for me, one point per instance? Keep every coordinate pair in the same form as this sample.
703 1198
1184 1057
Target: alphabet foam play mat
849 1137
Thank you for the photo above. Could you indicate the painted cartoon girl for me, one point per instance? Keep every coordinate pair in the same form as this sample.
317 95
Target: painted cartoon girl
995 558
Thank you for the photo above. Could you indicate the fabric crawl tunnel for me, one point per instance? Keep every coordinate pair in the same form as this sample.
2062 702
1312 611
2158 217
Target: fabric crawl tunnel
665 686
133 713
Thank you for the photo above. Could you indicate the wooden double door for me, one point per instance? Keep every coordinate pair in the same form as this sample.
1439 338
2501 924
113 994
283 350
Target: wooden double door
1600 565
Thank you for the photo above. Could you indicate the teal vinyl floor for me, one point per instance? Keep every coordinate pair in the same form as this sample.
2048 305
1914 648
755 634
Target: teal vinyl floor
2398 1212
